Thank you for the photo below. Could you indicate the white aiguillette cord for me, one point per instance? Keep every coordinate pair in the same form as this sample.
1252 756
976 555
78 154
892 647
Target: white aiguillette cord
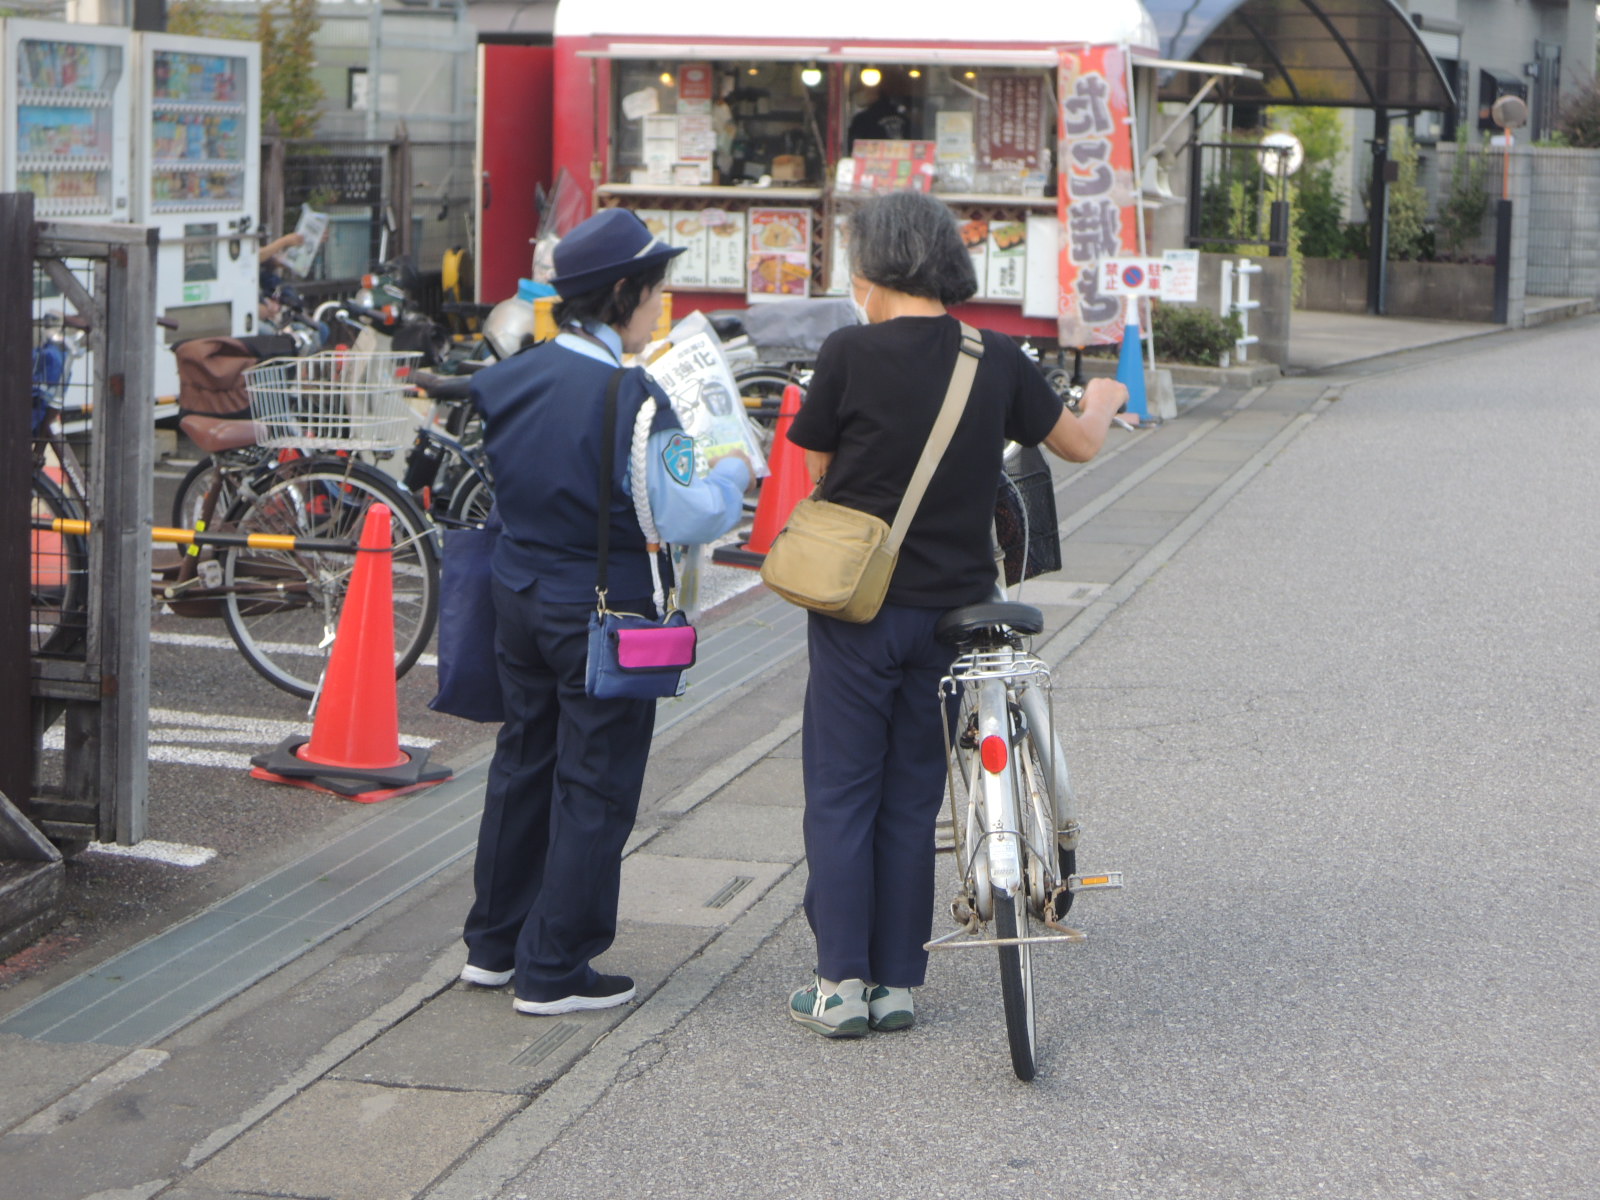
639 482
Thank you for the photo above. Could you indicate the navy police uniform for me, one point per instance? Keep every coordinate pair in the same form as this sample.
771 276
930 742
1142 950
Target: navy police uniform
567 771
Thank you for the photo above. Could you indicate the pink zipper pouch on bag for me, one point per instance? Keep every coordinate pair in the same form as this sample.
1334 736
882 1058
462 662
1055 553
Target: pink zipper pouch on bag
659 649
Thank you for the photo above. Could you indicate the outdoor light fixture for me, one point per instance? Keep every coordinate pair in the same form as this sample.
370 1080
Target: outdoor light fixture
666 78
871 76
811 75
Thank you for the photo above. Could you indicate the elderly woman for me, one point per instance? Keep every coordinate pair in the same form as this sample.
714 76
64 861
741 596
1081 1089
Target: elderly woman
872 746
567 770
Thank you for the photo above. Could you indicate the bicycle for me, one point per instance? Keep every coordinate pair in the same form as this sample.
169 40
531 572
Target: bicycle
1013 812
277 565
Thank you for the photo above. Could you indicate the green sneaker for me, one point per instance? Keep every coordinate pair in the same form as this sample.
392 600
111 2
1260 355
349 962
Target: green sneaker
835 1010
889 1008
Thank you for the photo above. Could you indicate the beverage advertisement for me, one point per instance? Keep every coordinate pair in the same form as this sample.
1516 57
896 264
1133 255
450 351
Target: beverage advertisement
68 66
197 131
726 256
1095 194
64 136
780 254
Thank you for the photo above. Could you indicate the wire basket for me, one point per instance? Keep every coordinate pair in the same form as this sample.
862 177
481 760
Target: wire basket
339 400
1026 525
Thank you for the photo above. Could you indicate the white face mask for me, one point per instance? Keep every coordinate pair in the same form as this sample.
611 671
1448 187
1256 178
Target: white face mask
859 307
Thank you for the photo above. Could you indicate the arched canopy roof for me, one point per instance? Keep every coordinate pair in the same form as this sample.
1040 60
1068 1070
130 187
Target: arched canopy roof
1335 53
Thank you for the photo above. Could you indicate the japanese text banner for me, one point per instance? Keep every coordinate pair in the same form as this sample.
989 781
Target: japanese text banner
1095 196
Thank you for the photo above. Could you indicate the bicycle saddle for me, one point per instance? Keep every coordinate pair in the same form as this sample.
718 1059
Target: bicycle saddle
728 326
216 434
961 625
443 387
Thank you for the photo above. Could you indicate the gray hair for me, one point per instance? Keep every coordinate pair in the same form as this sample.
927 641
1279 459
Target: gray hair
909 241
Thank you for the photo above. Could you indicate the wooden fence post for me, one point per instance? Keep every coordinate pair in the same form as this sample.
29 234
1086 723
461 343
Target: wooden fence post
16 472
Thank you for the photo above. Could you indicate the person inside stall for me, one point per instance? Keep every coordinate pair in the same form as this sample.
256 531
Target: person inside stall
888 118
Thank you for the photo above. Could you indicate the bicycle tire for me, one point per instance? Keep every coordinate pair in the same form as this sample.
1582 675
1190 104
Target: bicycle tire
1016 982
470 501
191 495
281 604
58 577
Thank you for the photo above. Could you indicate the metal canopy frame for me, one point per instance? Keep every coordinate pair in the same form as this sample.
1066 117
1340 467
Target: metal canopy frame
1328 53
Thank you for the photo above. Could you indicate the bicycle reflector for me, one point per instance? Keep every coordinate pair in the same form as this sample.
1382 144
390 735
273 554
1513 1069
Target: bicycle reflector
992 752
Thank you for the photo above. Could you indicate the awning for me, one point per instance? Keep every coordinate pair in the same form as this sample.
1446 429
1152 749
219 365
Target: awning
1334 53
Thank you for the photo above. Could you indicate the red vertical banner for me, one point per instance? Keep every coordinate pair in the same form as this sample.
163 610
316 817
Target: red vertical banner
1096 200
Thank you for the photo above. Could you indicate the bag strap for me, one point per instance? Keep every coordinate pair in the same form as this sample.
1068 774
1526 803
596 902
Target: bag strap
944 428
608 452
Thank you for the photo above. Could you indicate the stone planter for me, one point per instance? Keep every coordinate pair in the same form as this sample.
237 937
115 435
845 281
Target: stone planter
1446 291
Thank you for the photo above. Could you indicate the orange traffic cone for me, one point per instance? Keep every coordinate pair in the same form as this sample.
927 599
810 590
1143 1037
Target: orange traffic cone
787 485
355 741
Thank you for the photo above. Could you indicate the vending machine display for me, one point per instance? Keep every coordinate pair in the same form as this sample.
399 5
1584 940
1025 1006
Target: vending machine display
66 105
198 111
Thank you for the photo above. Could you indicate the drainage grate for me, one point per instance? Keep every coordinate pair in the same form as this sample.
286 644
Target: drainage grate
547 1043
729 890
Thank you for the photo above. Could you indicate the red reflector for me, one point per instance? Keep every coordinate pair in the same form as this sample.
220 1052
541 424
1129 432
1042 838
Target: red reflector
993 754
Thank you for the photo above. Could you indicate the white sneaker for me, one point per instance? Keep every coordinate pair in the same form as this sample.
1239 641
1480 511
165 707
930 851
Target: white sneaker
835 1010
889 1008
483 978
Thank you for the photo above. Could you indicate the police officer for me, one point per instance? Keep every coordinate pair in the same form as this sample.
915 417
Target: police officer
567 770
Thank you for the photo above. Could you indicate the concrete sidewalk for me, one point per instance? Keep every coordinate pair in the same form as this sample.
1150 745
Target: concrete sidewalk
357 1067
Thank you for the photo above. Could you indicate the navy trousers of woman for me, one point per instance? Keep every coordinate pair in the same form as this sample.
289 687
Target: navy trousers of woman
562 794
874 777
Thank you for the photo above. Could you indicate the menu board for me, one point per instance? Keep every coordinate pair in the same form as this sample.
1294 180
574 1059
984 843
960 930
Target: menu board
1007 258
780 254
687 229
1011 131
975 237
726 252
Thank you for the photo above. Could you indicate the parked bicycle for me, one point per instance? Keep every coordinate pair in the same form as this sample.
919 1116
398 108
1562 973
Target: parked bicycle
275 566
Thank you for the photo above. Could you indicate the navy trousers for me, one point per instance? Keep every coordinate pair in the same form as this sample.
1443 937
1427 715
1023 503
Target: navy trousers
874 777
562 794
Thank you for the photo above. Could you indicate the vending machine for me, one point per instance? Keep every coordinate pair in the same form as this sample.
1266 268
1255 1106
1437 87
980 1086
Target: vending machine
196 177
65 137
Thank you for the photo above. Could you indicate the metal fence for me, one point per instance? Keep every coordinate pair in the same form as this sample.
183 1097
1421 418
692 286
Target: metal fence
1235 200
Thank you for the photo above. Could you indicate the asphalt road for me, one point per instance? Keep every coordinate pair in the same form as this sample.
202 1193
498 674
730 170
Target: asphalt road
1343 746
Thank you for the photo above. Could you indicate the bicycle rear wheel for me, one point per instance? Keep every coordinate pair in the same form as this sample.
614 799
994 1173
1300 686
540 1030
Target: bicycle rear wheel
1016 981
283 606
58 580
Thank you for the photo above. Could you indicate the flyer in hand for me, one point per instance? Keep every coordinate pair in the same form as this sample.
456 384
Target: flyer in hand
696 378
313 227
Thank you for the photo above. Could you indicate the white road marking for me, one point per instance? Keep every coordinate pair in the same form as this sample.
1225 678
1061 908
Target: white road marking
205 641
176 735
175 854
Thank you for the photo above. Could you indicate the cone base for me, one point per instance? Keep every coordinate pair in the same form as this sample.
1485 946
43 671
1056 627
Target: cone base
332 787
738 556
284 764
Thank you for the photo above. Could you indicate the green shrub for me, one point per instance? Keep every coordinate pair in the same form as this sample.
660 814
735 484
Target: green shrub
1462 212
1192 333
1408 201
1319 214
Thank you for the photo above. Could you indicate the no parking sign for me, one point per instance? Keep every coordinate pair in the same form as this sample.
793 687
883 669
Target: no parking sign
1131 276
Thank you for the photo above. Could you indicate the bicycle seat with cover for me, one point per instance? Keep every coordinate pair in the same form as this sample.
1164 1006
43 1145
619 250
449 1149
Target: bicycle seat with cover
962 626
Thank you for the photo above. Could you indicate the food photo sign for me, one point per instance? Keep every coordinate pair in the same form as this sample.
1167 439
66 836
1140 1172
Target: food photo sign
780 254
1096 197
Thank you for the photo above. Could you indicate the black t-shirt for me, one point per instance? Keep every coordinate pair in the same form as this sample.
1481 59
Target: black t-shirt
874 396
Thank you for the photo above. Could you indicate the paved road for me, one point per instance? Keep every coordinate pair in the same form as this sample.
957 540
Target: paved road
1343 746
1328 670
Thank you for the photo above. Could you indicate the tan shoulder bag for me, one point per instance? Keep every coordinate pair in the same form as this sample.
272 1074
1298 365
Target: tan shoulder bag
838 561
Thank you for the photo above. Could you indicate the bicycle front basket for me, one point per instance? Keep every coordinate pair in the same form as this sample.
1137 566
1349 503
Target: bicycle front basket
337 400
1025 520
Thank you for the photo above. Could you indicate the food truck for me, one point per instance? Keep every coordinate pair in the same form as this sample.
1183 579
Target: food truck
744 132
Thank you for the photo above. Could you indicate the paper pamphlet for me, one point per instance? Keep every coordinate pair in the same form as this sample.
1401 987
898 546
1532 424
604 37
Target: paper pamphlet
696 378
313 227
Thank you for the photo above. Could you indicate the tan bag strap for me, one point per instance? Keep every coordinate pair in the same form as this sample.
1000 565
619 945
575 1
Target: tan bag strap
944 428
